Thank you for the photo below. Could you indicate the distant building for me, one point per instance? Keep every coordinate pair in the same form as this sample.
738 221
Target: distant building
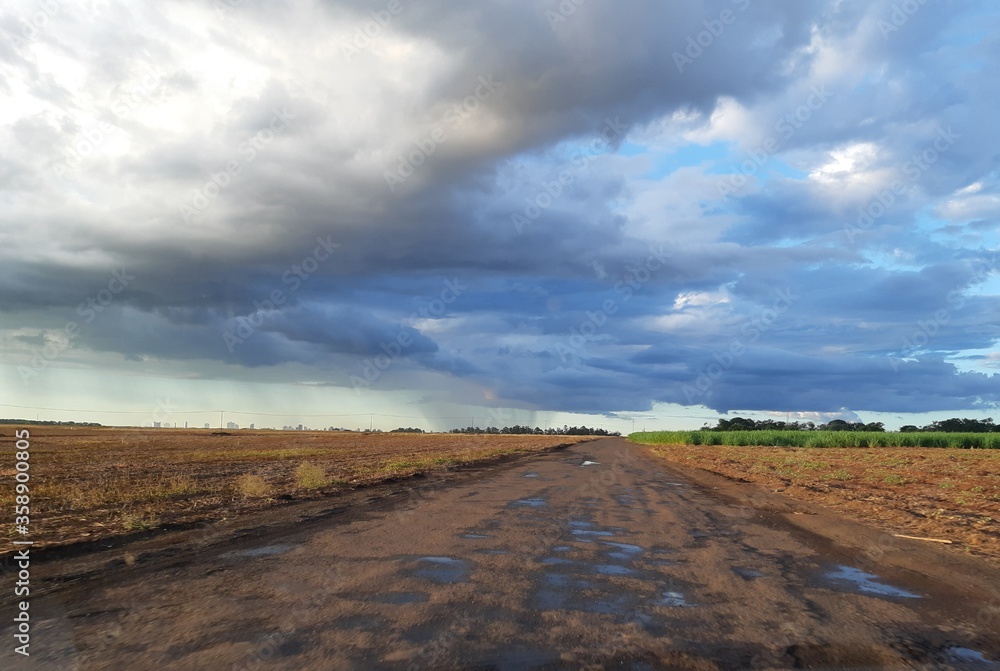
251 425
156 425
232 425
185 425
299 427
207 426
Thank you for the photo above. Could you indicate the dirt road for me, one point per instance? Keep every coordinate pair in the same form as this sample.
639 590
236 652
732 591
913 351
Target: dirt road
597 556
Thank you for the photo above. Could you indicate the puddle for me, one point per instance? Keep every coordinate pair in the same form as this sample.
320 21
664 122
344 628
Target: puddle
400 598
663 562
562 548
613 569
492 552
627 548
866 582
515 660
474 536
588 532
264 551
591 463
443 570
674 600
970 655
551 561
563 580
580 524
747 573
548 599
535 502
606 606
530 475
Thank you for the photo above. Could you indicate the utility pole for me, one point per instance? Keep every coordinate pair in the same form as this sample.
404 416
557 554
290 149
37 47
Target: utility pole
222 419
371 422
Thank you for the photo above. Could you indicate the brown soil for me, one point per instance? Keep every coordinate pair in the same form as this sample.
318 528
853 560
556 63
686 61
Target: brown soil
93 483
948 494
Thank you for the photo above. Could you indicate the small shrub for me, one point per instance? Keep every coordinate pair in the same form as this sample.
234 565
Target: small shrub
894 480
182 484
310 476
252 486
136 522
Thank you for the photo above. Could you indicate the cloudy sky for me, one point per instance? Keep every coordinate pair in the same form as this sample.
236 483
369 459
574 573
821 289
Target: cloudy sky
503 211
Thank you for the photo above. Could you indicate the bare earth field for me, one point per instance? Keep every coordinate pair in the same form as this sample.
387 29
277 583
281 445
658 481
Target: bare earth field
949 494
89 483
597 556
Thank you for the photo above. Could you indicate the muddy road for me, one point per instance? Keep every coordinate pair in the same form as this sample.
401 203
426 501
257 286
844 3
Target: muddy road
596 556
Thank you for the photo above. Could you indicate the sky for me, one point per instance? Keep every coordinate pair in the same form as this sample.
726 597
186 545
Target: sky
633 214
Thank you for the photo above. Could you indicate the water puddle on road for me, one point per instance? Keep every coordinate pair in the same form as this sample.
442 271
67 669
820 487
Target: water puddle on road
443 570
534 502
473 536
674 600
591 532
530 475
566 581
548 599
263 551
624 551
552 561
970 658
613 606
492 551
401 598
613 569
591 463
867 582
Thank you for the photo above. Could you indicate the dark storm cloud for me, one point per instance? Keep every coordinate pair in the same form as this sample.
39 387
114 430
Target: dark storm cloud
252 152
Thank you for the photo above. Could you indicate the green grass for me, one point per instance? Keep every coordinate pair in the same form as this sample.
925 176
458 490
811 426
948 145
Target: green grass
988 441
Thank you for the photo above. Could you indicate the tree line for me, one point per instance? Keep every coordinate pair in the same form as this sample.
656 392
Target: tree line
954 425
